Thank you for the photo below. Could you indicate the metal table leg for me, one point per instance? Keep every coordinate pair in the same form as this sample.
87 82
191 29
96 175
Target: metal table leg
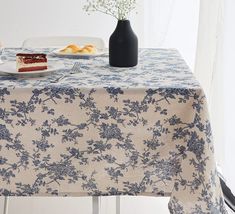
118 204
6 203
95 205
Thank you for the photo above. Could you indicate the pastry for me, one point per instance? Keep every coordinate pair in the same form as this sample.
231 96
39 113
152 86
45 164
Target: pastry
89 49
31 62
75 49
71 49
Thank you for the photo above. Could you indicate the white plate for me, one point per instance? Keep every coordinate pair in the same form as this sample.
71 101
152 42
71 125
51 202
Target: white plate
10 68
58 53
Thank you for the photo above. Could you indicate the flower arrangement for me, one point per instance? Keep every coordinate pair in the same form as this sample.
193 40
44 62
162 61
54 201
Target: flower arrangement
119 9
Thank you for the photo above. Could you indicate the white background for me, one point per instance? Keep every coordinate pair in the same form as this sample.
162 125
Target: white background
165 23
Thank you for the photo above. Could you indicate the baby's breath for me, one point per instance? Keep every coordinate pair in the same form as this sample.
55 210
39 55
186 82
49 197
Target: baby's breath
120 9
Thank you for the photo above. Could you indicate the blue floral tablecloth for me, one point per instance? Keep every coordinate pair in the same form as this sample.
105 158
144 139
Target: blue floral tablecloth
110 131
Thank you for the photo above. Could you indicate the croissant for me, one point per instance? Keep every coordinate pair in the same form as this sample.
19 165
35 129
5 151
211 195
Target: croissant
71 49
90 49
87 49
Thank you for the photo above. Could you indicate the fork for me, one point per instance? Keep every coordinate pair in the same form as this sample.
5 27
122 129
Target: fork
75 69
1 53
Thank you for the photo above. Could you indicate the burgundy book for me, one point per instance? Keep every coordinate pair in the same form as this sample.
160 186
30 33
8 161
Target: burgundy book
31 62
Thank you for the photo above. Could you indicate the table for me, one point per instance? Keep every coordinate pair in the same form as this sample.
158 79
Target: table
110 131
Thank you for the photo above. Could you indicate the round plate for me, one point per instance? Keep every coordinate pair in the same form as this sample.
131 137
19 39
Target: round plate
58 53
10 68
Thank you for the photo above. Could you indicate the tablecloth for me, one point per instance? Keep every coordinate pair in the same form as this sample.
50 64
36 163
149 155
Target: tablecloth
110 131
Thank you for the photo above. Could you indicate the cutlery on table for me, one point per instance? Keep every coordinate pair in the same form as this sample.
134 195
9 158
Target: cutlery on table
75 69
1 52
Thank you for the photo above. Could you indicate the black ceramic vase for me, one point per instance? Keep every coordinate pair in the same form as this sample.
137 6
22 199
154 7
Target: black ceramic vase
123 46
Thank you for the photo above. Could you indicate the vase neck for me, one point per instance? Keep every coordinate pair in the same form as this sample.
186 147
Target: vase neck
123 24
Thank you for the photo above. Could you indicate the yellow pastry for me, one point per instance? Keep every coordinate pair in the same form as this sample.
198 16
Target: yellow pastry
84 50
71 49
90 48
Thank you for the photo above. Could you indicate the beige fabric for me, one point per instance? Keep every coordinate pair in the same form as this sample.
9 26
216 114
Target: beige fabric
138 140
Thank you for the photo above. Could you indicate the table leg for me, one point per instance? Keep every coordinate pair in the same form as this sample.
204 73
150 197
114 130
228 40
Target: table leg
118 204
6 203
95 205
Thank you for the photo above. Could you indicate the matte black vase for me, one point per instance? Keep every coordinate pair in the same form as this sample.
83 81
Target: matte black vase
123 46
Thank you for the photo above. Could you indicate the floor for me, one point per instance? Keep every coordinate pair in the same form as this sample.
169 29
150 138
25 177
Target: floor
129 205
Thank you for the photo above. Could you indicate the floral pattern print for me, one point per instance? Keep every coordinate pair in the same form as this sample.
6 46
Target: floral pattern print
110 131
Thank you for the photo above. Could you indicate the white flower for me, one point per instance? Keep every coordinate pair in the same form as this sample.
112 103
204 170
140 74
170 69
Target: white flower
120 9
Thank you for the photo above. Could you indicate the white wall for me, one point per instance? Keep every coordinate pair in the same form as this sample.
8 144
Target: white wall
171 24
28 18
20 19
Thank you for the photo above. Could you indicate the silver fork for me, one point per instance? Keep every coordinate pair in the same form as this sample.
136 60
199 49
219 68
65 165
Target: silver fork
1 53
75 69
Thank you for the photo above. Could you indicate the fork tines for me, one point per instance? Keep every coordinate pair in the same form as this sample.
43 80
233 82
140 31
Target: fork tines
76 67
